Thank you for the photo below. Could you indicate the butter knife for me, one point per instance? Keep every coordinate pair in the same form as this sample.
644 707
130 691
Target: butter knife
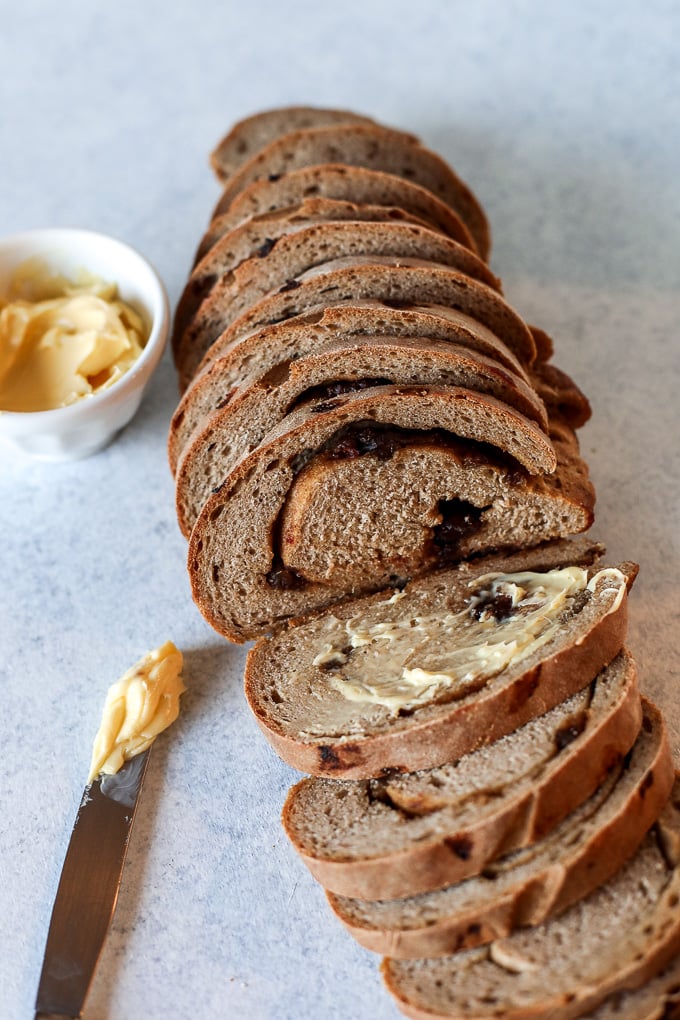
88 889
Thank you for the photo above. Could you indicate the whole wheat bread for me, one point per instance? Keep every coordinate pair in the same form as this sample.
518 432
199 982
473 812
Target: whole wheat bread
412 833
393 285
341 183
253 133
277 268
262 401
344 464
420 499
530 885
257 236
295 680
528 792
372 147
617 938
259 352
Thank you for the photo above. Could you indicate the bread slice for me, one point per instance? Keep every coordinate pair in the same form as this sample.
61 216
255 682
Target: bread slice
256 237
615 939
230 365
292 255
371 487
412 679
251 134
412 833
531 885
372 147
342 183
262 401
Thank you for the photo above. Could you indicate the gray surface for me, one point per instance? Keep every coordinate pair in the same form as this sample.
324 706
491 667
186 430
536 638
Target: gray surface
564 118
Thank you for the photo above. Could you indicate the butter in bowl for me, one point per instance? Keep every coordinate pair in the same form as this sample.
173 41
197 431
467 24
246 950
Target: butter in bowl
84 320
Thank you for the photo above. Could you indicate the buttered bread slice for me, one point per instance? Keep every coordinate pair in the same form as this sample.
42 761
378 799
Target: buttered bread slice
411 679
404 834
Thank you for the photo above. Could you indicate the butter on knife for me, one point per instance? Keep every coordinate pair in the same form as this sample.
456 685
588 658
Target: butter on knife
138 707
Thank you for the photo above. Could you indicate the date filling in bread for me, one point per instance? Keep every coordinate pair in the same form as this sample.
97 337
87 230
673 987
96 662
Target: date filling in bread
414 660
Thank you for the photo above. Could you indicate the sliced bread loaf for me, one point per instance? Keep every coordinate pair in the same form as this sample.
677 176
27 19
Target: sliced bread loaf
333 369
531 885
278 267
372 147
251 134
616 939
471 732
415 678
342 183
406 834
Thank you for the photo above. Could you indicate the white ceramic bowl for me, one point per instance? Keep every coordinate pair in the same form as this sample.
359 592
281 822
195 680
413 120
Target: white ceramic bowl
85 427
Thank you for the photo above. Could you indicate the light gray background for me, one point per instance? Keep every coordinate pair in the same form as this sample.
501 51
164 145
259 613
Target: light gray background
564 118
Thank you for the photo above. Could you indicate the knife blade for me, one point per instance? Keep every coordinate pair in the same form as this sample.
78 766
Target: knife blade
88 889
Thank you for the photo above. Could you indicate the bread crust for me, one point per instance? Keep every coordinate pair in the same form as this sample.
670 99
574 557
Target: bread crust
232 359
560 394
257 236
376 282
223 371
659 999
519 819
546 890
434 290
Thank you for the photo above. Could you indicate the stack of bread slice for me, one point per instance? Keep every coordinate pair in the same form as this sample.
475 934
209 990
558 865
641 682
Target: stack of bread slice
378 472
